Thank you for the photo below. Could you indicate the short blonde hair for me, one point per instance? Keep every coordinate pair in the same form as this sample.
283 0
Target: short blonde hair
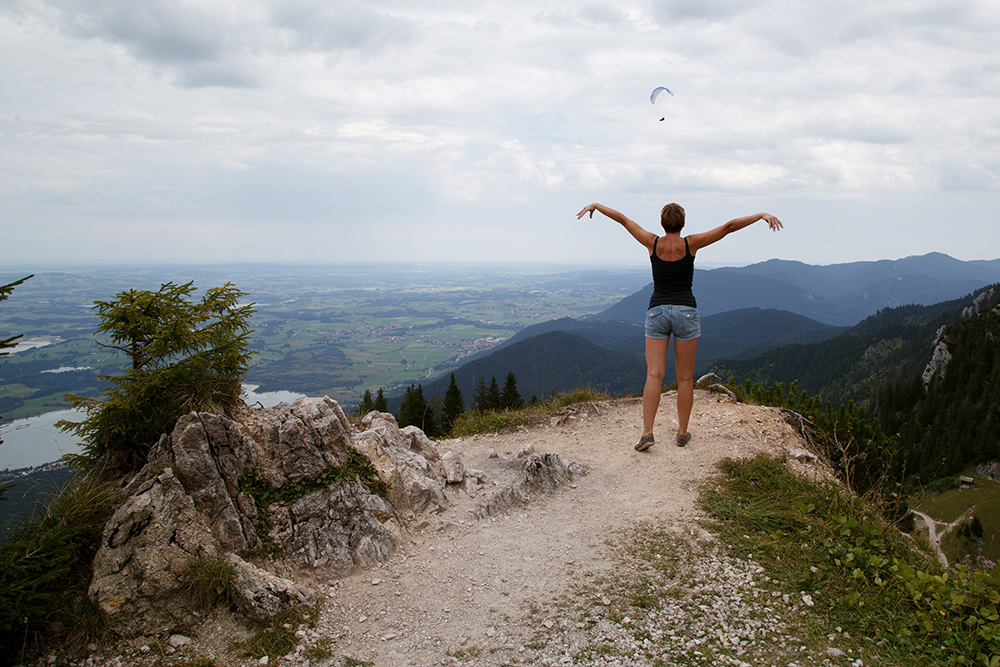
672 218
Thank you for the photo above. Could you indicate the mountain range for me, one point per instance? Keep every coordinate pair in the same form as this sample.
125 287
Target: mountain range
836 294
809 316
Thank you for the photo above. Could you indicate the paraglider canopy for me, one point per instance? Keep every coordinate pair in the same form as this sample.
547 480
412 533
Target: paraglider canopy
656 93
659 90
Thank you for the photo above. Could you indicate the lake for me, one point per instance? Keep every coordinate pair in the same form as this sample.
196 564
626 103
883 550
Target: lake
36 440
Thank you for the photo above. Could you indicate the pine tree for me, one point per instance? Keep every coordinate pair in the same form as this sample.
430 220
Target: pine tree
493 400
381 403
367 404
453 407
407 408
480 399
510 398
416 411
183 356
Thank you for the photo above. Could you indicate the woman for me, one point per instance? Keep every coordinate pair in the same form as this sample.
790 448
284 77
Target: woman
672 308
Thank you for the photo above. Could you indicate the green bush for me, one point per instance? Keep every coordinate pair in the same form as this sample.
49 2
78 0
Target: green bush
943 484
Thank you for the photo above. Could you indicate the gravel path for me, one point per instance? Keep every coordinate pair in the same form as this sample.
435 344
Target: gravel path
487 592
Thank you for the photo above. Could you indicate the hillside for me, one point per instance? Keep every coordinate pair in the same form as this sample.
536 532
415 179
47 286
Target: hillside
892 345
607 355
552 361
464 589
947 417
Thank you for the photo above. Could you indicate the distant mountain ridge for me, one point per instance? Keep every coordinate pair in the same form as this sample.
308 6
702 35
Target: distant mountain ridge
567 354
836 294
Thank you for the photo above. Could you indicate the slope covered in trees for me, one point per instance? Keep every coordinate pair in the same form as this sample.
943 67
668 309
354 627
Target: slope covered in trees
890 346
951 420
555 361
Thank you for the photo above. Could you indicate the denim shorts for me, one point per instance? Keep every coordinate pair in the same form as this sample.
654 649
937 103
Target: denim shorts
681 321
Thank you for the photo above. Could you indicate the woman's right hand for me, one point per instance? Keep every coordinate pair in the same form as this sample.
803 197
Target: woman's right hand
771 221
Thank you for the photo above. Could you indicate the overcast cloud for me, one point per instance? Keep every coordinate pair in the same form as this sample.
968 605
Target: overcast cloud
310 130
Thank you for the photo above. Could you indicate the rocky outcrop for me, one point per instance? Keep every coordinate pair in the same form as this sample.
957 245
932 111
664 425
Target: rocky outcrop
978 303
406 461
939 359
294 481
540 474
147 547
990 470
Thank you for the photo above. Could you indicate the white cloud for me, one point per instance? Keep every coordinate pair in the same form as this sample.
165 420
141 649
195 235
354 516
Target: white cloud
395 114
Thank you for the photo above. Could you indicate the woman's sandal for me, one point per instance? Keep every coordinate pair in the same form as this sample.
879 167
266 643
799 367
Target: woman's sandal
681 439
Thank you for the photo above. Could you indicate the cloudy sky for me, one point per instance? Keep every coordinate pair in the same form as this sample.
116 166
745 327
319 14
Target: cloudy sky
386 130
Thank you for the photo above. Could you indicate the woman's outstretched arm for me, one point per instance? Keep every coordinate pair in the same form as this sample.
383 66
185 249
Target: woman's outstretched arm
641 235
698 241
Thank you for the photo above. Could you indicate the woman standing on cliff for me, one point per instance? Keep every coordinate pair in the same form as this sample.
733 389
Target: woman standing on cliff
672 308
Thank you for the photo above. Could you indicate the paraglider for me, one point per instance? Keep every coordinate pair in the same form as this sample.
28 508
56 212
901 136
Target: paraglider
656 93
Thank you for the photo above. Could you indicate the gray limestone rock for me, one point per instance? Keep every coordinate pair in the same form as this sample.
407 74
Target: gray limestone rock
406 460
454 470
188 505
146 548
540 474
260 595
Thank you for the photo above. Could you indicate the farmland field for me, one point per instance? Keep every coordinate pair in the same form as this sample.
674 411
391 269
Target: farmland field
334 330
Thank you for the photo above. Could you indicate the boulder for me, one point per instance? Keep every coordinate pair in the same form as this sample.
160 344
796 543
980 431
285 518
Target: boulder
210 453
147 547
454 470
540 474
260 595
406 461
195 501
299 441
339 529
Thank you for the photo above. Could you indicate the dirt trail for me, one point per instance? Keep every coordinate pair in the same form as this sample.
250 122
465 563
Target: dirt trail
462 586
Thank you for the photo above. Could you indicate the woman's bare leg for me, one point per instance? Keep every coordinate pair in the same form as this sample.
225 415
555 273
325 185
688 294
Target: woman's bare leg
656 359
684 351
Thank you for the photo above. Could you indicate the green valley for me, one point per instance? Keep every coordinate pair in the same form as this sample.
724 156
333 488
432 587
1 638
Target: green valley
334 330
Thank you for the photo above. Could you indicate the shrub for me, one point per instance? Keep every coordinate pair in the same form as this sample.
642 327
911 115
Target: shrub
942 484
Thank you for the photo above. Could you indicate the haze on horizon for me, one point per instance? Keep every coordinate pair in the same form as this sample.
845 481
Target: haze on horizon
302 131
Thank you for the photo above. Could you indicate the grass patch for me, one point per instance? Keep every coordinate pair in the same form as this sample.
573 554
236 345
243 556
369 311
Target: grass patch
196 662
277 638
787 571
353 662
45 568
208 580
949 505
474 421
861 574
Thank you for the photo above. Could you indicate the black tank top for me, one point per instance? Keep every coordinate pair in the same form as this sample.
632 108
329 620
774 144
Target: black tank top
672 280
